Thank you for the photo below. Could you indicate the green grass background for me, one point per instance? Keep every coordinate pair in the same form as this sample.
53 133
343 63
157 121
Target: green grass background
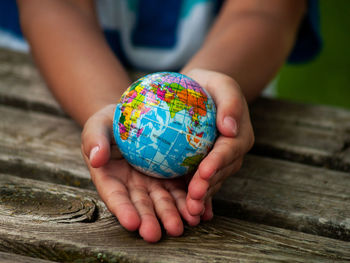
326 79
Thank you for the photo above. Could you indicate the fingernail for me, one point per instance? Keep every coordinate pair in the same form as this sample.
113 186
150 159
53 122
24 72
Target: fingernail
231 124
93 152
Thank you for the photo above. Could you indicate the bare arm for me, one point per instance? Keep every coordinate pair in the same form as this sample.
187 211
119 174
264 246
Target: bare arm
250 40
248 43
72 54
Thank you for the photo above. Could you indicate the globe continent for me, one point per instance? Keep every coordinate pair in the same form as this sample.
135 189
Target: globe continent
164 124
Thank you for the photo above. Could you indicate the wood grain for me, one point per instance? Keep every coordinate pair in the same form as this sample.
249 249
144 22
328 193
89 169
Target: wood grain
44 203
274 192
38 145
285 191
312 134
104 240
288 195
21 85
10 258
316 135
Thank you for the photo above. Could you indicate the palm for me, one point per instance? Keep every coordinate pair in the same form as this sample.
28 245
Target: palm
139 201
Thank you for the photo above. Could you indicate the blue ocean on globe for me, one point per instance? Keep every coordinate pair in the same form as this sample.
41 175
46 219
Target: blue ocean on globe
164 124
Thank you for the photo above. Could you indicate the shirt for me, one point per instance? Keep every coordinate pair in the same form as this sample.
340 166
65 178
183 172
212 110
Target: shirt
155 35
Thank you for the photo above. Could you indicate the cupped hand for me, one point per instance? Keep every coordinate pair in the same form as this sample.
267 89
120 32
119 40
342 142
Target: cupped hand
235 139
138 201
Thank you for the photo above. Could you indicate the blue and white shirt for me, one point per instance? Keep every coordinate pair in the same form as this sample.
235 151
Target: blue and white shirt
155 35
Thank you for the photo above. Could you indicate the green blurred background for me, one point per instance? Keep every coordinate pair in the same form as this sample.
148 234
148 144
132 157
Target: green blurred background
326 79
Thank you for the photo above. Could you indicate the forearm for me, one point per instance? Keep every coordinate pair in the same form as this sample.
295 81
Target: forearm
72 55
250 41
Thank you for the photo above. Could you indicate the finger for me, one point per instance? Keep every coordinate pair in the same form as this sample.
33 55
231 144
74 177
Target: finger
223 173
195 207
166 210
149 229
197 191
96 137
219 179
227 96
208 210
116 197
210 170
225 151
179 196
197 196
197 187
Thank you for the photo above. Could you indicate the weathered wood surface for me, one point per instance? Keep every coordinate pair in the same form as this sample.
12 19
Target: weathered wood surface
10 258
39 202
101 238
316 135
21 85
289 195
49 145
310 194
274 192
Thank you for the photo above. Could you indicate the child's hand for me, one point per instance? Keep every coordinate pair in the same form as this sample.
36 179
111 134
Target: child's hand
141 202
235 140
137 200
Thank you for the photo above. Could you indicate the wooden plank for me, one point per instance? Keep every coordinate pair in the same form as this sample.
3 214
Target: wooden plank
103 239
289 195
21 85
10 258
42 203
311 134
278 193
319 116
317 135
41 145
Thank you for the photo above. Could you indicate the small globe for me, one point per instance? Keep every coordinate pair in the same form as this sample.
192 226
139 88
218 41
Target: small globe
164 124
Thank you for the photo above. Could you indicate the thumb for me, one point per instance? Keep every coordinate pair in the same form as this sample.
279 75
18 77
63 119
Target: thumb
96 137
